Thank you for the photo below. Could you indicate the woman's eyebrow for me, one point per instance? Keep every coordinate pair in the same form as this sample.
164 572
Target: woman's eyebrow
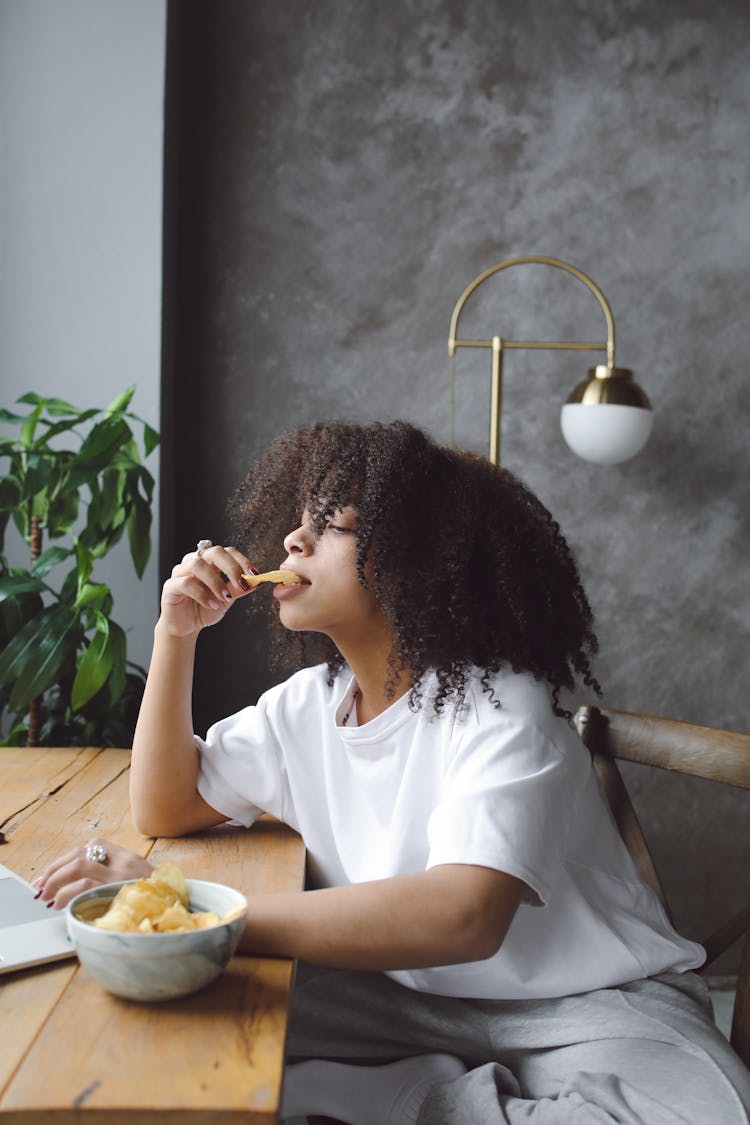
347 511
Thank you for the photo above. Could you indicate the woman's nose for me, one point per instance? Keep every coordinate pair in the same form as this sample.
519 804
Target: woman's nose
297 542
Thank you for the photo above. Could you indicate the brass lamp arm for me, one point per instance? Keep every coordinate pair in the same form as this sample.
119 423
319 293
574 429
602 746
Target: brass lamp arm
454 343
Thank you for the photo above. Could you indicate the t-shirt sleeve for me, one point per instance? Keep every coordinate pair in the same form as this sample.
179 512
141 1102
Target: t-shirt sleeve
508 798
241 770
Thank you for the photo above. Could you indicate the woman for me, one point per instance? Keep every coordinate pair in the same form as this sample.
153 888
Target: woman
475 932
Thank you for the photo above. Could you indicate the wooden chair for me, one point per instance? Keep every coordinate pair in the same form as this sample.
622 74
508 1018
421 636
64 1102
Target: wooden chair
717 755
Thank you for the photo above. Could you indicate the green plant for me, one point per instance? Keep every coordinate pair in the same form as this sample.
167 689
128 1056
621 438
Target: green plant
64 674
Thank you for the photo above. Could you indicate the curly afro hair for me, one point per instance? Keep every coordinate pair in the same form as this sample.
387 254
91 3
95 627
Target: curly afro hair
468 566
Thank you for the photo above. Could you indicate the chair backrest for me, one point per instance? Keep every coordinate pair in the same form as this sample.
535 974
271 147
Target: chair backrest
717 755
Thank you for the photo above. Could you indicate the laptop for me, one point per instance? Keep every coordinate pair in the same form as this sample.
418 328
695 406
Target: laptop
30 933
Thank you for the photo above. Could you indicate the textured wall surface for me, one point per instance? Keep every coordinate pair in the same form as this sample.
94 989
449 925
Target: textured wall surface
341 172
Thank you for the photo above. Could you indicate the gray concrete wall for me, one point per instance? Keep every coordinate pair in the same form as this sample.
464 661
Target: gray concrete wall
347 168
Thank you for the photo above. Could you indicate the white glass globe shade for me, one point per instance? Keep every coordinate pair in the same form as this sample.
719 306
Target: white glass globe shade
606 433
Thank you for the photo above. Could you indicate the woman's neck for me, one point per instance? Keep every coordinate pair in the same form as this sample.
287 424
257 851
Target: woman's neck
374 700
377 689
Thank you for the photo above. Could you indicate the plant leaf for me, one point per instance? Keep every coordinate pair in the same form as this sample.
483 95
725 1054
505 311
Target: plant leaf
12 586
58 406
38 475
18 733
118 648
69 589
9 416
34 657
117 405
28 426
49 559
21 520
139 533
15 612
98 447
10 492
9 496
150 438
63 511
94 666
79 417
92 594
85 560
147 483
108 500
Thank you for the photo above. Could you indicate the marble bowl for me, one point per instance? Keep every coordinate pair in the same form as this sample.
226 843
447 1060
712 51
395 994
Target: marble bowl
156 966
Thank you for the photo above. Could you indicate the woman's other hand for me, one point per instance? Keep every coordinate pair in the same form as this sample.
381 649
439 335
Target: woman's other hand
202 588
74 872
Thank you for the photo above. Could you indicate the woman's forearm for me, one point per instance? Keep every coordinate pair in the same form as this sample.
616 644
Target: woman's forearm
447 915
200 591
164 763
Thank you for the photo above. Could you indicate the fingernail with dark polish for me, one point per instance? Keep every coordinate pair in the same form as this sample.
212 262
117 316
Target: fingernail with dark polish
50 903
38 893
243 583
223 576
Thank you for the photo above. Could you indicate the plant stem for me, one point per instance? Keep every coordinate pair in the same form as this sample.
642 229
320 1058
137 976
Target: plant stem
35 550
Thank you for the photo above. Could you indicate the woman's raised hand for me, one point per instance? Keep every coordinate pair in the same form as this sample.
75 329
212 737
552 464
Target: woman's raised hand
202 588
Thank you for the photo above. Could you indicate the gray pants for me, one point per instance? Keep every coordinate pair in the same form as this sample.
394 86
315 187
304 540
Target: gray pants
644 1054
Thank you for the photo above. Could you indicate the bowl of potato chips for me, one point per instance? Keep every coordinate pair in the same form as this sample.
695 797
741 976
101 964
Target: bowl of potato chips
156 938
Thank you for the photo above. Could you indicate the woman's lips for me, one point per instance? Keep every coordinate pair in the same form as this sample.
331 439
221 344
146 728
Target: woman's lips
282 592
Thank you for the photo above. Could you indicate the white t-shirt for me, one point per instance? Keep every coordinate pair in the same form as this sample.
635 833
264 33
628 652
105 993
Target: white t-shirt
512 789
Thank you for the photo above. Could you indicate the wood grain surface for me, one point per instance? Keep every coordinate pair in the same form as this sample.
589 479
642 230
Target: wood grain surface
69 1051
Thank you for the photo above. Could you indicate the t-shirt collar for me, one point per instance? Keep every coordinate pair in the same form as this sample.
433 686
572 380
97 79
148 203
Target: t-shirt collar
346 715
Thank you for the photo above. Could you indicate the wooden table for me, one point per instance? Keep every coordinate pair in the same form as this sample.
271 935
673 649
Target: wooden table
72 1053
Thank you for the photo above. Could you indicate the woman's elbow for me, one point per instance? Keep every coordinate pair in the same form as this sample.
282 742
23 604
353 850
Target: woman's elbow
479 940
145 822
154 819
165 818
482 910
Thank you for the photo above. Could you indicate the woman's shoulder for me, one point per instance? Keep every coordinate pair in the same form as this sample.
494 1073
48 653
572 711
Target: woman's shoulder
510 698
507 689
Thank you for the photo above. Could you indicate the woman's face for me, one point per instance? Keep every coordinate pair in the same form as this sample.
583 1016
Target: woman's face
330 599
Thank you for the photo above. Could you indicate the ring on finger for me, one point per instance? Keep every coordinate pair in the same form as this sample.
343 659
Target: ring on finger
203 545
97 853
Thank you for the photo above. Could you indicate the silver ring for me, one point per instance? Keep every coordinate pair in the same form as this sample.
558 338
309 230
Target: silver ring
97 853
203 545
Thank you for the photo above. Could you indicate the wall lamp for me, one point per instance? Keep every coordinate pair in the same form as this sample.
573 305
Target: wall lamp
607 418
